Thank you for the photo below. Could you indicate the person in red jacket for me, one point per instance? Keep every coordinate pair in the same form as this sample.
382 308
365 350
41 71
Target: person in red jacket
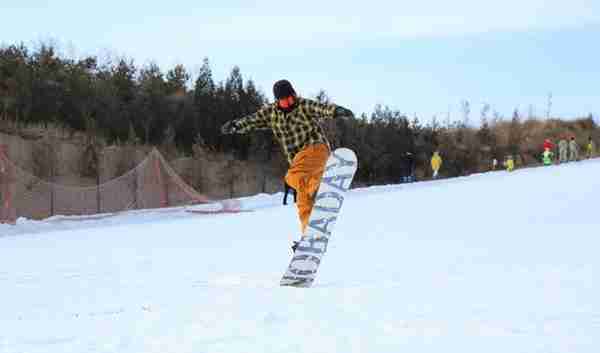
548 144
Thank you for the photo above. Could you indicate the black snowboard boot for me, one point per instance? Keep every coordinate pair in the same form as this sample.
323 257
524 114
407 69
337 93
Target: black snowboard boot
295 245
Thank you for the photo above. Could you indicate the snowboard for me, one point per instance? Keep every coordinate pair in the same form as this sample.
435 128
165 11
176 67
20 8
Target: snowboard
339 172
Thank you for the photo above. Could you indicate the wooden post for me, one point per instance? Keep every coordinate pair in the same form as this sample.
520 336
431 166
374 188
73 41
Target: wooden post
95 162
164 196
7 180
98 196
136 188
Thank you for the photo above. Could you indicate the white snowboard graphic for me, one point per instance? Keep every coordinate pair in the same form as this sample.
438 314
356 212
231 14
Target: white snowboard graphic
336 180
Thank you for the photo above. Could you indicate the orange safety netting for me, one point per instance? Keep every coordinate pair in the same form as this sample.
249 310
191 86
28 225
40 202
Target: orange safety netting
151 184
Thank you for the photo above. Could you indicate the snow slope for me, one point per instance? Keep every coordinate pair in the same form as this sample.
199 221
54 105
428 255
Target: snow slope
495 262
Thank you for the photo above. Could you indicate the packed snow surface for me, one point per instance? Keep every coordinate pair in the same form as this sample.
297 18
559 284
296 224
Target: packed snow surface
496 262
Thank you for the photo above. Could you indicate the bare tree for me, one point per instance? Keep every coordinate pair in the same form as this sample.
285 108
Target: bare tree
549 105
465 108
531 114
485 109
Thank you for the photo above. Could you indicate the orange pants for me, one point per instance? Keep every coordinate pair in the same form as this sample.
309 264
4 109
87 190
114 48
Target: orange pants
304 176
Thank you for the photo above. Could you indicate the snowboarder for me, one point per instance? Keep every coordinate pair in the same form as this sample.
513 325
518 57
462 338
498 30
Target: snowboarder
547 157
591 148
563 148
294 121
573 150
436 163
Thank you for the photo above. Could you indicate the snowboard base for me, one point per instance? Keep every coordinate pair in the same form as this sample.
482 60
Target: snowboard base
337 178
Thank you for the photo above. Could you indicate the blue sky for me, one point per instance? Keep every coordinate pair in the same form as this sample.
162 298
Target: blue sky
417 57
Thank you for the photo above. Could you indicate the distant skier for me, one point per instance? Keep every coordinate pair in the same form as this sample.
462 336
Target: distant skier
591 148
295 123
563 150
573 150
509 163
547 157
287 190
436 163
494 164
408 168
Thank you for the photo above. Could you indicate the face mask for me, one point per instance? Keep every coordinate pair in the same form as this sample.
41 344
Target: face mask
287 103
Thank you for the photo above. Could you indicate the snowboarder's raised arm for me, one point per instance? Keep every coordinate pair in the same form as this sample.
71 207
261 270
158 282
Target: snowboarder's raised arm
326 111
256 121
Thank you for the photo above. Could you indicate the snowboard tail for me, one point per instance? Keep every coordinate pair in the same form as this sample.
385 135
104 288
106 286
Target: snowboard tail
337 178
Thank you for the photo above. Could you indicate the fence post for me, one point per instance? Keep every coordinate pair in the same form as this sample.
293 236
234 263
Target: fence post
98 208
164 193
136 188
8 212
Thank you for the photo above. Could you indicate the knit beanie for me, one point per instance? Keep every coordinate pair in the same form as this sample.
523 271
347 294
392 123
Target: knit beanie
282 89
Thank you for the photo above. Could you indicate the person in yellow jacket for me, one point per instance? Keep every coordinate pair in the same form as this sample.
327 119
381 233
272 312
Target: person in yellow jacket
294 121
436 163
591 148
509 163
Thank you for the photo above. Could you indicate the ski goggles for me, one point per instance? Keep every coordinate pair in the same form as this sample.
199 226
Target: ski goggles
286 103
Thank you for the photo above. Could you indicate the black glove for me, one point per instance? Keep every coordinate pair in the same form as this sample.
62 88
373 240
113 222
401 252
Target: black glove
230 127
341 112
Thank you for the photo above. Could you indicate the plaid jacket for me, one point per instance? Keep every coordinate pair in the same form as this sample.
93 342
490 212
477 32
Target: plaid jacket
294 130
